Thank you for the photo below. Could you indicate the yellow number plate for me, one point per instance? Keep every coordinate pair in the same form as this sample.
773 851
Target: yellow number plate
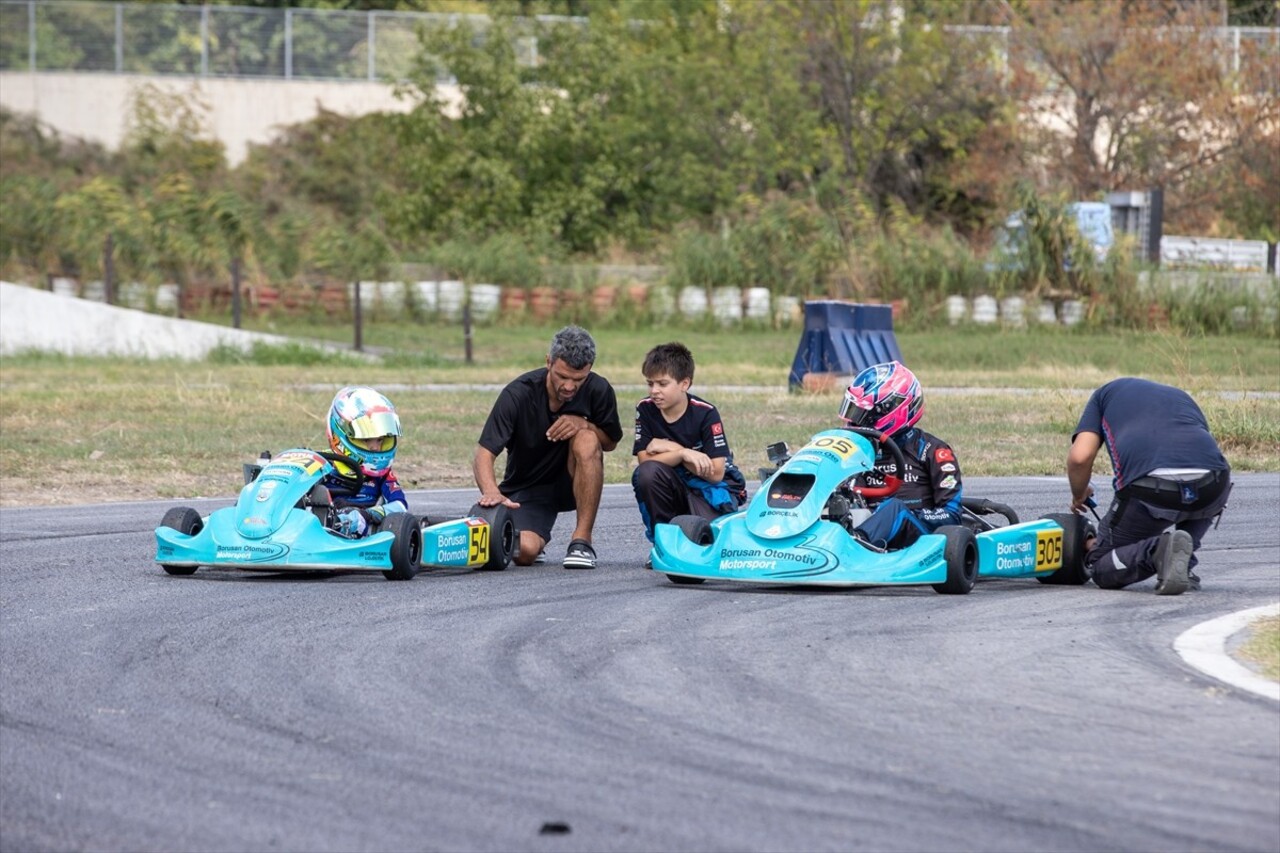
841 447
1048 550
479 553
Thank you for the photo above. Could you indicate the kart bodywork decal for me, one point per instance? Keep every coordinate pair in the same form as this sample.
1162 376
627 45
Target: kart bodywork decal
250 552
309 461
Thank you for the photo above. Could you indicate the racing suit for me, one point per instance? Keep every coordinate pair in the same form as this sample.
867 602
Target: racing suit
373 497
928 498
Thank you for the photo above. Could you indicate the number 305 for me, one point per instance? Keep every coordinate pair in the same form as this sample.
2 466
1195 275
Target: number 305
1048 549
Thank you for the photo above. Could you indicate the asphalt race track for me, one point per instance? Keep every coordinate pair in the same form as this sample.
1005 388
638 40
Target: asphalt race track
548 710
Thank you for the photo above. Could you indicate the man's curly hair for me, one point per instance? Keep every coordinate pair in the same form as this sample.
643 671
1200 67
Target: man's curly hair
574 346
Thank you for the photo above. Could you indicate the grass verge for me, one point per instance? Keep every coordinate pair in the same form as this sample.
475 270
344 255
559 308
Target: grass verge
1262 648
117 429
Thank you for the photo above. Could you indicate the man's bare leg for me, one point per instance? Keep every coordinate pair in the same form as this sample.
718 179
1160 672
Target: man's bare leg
586 467
531 545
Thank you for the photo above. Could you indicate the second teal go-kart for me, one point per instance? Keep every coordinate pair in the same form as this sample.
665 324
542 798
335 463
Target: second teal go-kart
797 529
284 521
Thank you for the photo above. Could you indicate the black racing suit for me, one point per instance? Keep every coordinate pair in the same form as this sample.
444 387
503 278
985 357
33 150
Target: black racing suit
928 498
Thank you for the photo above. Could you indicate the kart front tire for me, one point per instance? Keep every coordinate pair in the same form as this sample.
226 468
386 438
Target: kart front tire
698 530
1075 530
503 536
406 550
961 554
188 522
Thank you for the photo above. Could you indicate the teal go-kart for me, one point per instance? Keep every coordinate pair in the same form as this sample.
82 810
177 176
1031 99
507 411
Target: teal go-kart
285 521
797 529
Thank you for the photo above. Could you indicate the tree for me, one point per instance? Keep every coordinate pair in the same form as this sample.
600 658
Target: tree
100 223
1136 95
903 99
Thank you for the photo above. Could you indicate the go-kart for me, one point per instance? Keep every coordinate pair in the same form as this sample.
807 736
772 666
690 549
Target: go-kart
284 520
798 529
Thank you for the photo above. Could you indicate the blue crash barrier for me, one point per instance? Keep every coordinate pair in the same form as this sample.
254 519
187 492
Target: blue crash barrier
844 338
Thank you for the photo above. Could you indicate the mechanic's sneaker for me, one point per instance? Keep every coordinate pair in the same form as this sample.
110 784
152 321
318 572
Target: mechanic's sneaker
580 555
541 558
1173 553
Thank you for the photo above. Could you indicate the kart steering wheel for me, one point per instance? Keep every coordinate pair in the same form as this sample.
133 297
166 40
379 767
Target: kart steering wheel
354 480
891 483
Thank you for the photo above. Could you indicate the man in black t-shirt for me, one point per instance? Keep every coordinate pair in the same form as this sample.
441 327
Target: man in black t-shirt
685 466
555 423
1171 481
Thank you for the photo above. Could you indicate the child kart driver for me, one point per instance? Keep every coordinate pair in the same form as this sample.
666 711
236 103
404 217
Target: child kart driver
888 397
364 430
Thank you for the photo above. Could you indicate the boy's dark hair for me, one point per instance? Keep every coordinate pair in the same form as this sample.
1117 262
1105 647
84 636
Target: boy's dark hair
673 359
574 346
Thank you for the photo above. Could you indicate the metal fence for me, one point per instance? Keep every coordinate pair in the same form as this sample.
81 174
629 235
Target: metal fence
314 44
216 41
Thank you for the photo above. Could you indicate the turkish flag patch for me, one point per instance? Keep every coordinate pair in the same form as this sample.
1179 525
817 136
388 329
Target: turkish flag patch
717 428
944 454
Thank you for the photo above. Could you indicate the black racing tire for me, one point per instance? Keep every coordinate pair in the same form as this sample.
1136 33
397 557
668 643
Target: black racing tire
504 539
406 550
1075 530
961 554
698 530
188 522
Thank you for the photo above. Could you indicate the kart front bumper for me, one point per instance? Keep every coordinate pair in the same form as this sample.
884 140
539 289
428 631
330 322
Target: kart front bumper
823 555
301 544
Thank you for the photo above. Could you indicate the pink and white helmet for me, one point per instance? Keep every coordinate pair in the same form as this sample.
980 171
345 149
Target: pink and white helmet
886 397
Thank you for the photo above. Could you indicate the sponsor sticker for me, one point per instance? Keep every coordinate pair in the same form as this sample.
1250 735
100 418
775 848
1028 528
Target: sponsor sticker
947 482
948 467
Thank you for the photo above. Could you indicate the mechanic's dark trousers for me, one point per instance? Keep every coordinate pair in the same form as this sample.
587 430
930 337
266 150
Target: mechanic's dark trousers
1127 537
662 495
892 526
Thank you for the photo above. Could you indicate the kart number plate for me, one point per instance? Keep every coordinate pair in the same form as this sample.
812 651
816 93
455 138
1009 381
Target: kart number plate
841 447
479 551
1048 550
304 459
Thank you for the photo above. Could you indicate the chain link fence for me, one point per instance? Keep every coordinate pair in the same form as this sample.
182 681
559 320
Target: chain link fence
322 44
217 41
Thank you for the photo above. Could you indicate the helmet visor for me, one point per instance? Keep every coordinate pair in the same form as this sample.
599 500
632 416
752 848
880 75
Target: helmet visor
378 444
856 411
373 425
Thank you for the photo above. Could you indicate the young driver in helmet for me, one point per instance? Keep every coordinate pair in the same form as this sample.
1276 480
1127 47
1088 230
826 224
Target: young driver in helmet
364 430
887 397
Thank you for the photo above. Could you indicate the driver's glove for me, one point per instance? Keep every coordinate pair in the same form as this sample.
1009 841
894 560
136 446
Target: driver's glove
351 522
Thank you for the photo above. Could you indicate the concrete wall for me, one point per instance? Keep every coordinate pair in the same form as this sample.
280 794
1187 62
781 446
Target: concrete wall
96 106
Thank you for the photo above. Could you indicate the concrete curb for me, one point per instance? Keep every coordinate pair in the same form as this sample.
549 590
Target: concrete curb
1205 648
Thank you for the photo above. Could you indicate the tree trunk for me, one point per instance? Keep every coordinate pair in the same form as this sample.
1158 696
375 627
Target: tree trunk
235 292
109 269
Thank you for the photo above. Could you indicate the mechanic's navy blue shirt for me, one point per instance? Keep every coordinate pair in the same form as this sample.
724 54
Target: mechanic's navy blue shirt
521 416
1147 426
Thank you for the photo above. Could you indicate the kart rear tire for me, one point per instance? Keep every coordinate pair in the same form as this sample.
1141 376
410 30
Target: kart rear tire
698 530
961 554
188 522
406 550
1075 530
504 539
